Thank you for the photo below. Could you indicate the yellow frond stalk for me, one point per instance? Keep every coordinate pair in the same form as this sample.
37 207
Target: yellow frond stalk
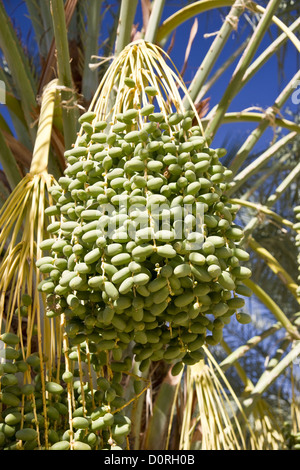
295 403
143 62
268 433
215 413
19 247
213 409
220 417
23 225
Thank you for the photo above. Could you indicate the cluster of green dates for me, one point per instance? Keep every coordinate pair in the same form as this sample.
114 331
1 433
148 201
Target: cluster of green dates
29 422
297 228
142 246
96 425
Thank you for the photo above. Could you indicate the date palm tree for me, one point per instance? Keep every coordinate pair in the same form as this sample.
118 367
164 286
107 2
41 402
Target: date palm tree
225 401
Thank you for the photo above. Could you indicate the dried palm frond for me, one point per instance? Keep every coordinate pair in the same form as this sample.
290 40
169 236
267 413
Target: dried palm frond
22 224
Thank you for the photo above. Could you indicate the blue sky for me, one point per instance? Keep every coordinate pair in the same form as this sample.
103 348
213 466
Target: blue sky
260 92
